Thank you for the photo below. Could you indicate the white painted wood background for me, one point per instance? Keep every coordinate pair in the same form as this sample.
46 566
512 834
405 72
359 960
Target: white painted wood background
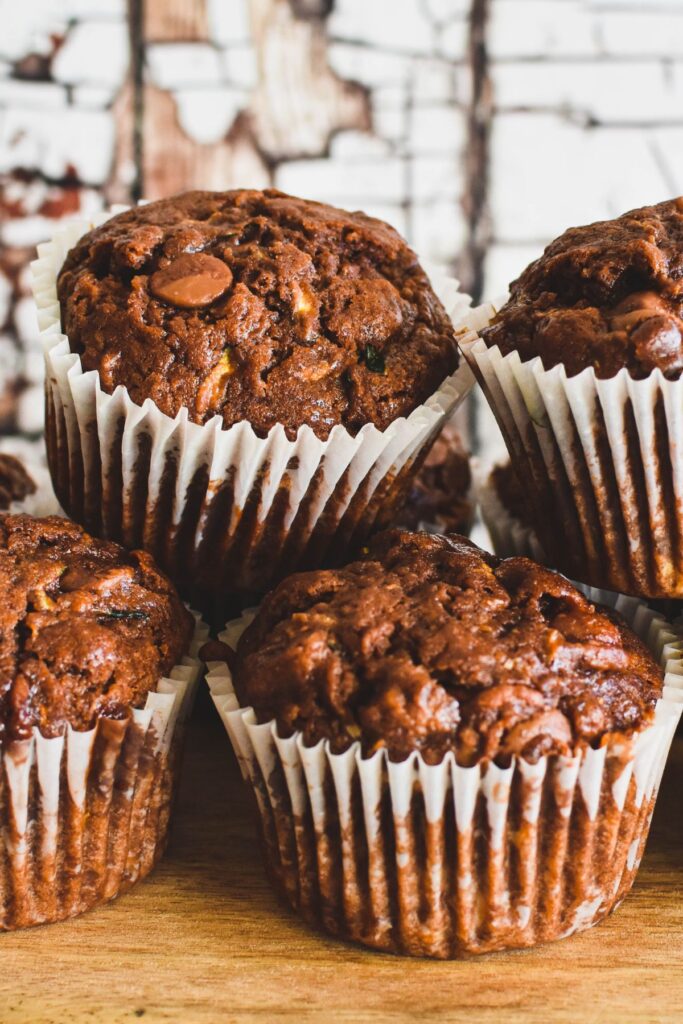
479 128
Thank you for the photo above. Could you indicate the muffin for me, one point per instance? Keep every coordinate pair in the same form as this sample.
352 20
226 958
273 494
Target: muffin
504 511
582 368
98 674
451 753
440 499
25 484
16 483
245 381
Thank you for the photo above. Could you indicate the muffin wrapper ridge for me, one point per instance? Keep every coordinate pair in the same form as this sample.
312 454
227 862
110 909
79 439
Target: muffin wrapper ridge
85 815
221 510
446 861
510 537
603 461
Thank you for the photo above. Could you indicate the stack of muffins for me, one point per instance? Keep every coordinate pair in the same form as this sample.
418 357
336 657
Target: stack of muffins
449 753
248 384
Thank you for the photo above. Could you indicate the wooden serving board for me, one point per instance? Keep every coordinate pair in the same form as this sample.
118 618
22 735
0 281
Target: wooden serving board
204 939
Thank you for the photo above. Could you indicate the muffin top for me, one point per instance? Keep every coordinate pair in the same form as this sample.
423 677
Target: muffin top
257 306
440 491
608 295
87 627
16 483
430 644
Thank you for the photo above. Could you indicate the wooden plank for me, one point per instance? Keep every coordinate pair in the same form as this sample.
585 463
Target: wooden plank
48 166
204 939
176 20
299 102
292 109
172 162
122 182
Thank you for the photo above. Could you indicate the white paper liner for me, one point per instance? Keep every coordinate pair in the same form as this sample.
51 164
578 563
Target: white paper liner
603 460
220 509
84 815
445 861
510 537
43 502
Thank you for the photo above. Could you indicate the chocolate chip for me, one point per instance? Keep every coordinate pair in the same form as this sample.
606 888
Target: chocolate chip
192 280
657 342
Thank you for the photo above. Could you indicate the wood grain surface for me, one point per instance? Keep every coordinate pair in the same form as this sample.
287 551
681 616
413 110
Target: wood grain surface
205 940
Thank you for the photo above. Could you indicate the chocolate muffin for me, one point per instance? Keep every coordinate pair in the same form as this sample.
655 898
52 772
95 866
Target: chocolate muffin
509 491
88 632
436 736
25 484
16 483
505 512
257 306
440 496
88 628
582 368
607 295
430 644
293 364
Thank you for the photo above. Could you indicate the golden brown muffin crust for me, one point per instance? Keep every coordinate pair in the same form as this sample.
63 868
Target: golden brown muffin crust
87 628
607 295
430 644
257 306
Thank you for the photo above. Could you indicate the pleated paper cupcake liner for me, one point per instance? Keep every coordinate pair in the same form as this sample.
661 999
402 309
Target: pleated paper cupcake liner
85 815
221 510
603 464
446 861
510 537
